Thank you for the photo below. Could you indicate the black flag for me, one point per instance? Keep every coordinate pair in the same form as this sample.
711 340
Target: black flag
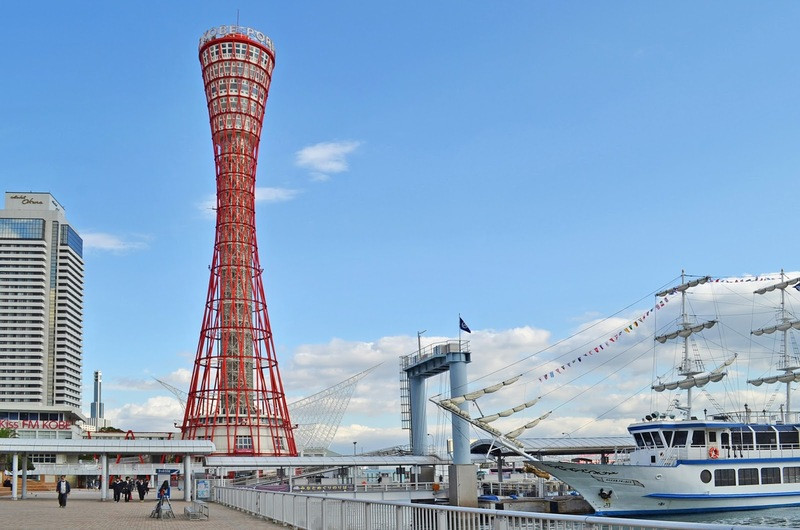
463 325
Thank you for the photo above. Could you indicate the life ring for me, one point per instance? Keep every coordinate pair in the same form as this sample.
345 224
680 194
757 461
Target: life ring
713 452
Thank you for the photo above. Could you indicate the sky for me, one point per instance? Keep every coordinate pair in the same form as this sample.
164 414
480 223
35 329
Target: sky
539 168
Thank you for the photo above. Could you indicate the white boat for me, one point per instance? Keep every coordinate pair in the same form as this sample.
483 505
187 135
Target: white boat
724 461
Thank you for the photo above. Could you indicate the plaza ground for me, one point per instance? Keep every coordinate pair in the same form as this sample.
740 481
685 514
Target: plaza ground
85 510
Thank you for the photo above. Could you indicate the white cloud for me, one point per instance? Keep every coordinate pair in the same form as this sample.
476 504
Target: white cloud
325 158
158 414
275 194
108 242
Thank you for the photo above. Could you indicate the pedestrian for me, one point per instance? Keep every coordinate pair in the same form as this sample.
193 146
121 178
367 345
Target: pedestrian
117 487
141 488
126 489
62 487
163 491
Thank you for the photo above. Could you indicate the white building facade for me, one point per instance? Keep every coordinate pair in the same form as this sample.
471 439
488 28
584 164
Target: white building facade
41 309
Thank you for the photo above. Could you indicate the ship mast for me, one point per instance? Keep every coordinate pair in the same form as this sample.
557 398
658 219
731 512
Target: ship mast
692 370
788 363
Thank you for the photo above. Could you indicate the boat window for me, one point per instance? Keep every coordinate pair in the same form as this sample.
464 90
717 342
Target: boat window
767 440
791 475
668 438
742 439
657 439
789 439
771 475
748 476
698 438
680 439
639 441
648 439
726 439
712 436
705 476
724 477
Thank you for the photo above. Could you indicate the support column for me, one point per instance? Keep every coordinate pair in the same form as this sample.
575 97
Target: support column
24 475
104 477
187 478
419 422
14 471
458 387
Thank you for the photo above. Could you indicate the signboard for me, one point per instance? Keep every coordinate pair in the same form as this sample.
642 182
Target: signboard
202 489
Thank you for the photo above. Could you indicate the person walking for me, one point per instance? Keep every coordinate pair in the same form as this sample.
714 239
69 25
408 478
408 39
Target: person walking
141 488
126 489
117 487
62 487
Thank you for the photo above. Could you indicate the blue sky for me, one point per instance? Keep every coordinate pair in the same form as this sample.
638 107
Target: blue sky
533 166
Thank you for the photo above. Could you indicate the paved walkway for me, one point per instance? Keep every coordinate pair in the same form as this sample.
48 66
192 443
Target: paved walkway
84 510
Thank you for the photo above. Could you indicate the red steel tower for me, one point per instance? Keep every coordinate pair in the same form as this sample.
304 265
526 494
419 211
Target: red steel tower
236 397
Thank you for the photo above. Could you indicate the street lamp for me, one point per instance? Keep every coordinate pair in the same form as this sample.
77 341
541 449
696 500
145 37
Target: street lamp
354 448
419 341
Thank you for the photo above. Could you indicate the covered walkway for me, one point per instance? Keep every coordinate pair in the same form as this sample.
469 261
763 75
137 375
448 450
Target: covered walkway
20 448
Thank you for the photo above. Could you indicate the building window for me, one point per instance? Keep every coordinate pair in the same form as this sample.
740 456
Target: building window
21 228
42 458
71 238
244 443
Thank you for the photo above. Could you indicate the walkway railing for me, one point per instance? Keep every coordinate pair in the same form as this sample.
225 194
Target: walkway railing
328 513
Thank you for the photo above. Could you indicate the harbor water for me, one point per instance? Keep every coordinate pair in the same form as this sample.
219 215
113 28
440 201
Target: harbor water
773 517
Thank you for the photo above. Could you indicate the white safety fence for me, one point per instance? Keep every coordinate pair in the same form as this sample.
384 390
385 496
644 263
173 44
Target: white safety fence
312 512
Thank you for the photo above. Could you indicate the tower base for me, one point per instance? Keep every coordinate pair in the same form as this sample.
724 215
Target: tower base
463 485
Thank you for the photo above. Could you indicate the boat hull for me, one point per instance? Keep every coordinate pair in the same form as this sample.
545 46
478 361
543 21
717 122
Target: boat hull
650 490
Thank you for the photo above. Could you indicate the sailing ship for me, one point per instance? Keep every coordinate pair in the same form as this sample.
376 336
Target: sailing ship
725 461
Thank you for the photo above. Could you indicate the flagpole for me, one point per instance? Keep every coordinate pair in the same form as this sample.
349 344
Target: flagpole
459 332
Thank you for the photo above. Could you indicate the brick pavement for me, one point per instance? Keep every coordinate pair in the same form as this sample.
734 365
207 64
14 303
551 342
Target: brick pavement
85 510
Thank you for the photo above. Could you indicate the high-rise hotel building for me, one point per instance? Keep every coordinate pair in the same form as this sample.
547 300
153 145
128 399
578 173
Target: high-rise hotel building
41 310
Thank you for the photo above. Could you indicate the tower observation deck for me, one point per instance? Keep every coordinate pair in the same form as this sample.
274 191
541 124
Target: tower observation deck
236 397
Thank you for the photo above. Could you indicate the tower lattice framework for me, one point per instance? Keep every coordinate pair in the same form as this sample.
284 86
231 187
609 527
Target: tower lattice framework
236 397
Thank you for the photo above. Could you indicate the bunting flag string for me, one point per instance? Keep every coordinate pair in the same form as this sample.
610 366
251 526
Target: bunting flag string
630 328
610 341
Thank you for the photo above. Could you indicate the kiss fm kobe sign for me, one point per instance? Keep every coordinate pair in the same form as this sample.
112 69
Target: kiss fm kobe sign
47 425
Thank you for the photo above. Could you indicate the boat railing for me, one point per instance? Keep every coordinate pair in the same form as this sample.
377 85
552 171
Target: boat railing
769 417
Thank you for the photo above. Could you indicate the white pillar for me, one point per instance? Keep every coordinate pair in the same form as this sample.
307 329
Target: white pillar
104 477
14 470
187 478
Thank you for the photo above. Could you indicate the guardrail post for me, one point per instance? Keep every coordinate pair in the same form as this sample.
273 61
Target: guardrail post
368 515
500 522
398 517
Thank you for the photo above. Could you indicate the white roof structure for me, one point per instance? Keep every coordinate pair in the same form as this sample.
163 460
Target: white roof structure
329 461
81 446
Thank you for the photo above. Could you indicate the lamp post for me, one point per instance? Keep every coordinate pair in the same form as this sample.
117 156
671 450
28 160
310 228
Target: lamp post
419 341
354 448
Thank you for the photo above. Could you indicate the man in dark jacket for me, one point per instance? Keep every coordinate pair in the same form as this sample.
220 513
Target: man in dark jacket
117 487
62 487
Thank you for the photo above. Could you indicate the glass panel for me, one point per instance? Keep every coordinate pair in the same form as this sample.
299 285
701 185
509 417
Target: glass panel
724 477
21 228
748 476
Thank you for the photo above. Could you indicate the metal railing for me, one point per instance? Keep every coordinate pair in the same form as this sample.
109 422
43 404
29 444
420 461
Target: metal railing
328 513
